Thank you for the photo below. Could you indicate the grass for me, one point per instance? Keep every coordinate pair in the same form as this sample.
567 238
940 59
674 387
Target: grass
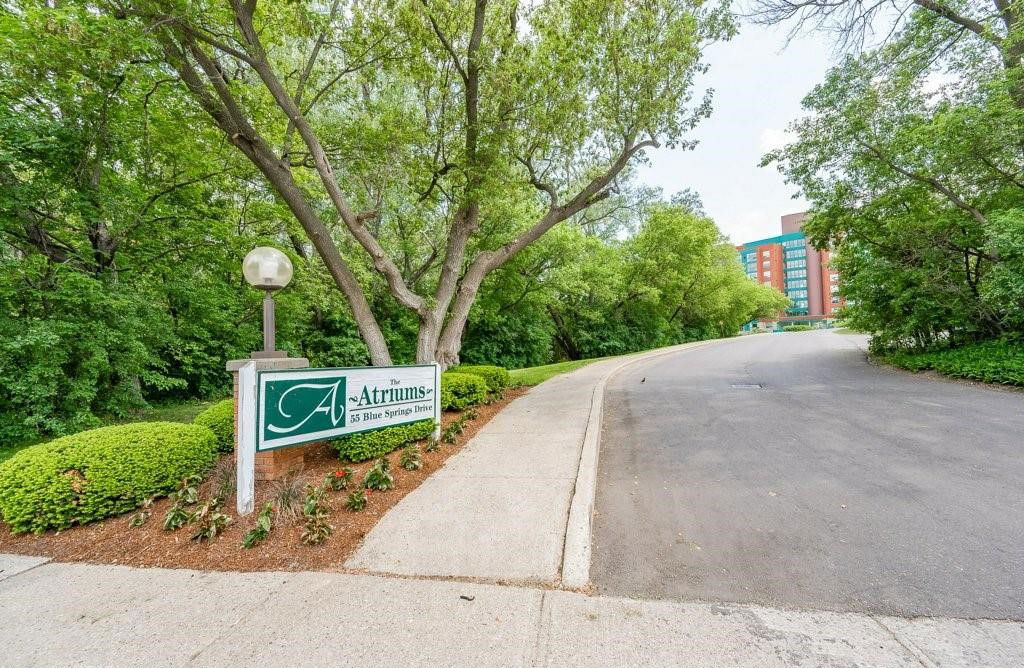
535 375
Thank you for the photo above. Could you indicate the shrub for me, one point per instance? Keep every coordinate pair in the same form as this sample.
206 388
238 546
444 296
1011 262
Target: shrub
99 473
356 500
316 528
797 328
379 476
410 459
220 419
990 361
461 390
264 523
496 377
210 521
370 444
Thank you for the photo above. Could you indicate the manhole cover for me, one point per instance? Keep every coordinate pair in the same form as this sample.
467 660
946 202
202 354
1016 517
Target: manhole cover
748 386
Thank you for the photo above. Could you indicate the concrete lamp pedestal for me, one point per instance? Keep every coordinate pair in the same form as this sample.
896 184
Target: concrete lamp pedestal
275 464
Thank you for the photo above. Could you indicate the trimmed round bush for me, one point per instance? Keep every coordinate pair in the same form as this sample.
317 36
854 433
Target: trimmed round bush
496 377
99 473
377 443
461 390
220 419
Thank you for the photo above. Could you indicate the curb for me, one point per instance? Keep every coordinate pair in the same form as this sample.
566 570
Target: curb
579 529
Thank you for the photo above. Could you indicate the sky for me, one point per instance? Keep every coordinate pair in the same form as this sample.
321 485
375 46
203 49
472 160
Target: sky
758 82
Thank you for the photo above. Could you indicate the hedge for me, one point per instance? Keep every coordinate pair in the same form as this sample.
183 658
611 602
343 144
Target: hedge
991 361
797 328
99 473
461 390
371 444
220 419
496 377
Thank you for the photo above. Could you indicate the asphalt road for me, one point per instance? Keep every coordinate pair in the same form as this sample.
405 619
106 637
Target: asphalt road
838 485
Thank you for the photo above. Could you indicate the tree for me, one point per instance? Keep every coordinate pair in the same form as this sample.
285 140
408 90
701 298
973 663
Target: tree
445 138
906 180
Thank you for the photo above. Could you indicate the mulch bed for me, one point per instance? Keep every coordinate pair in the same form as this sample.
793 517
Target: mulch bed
113 541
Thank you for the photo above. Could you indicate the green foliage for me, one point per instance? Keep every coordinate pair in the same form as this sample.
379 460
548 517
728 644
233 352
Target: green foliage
141 517
209 521
461 390
797 328
379 476
410 459
220 419
99 473
259 533
496 377
371 444
916 186
451 432
356 500
187 494
991 361
316 529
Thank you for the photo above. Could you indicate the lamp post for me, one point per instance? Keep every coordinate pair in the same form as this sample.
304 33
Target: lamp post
267 269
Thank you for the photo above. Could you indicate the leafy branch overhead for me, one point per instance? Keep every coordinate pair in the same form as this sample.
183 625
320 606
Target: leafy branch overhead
443 138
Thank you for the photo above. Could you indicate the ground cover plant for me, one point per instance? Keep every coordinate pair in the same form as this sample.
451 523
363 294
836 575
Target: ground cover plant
1000 361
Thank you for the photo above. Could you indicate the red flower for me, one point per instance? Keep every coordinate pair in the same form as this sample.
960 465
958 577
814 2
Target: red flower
339 474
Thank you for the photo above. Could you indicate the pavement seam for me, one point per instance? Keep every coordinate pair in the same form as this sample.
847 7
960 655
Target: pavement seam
539 646
245 615
909 646
29 569
576 544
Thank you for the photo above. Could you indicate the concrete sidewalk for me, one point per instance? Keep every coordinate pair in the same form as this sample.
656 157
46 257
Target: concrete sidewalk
499 509
88 615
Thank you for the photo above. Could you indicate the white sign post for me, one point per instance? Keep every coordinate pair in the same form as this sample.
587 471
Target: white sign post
245 457
285 408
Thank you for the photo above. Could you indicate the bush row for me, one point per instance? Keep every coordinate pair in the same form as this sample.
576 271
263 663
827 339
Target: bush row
99 473
991 362
497 378
370 444
112 470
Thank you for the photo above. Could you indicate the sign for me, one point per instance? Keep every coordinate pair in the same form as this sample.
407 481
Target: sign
278 409
300 406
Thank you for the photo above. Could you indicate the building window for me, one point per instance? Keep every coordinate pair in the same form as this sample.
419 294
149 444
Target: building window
799 273
796 284
766 253
798 293
796 264
767 274
793 243
799 252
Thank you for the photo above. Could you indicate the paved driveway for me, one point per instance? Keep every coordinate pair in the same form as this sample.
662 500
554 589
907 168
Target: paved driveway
837 485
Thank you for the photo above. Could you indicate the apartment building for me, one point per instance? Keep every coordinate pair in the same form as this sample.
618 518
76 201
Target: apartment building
789 263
